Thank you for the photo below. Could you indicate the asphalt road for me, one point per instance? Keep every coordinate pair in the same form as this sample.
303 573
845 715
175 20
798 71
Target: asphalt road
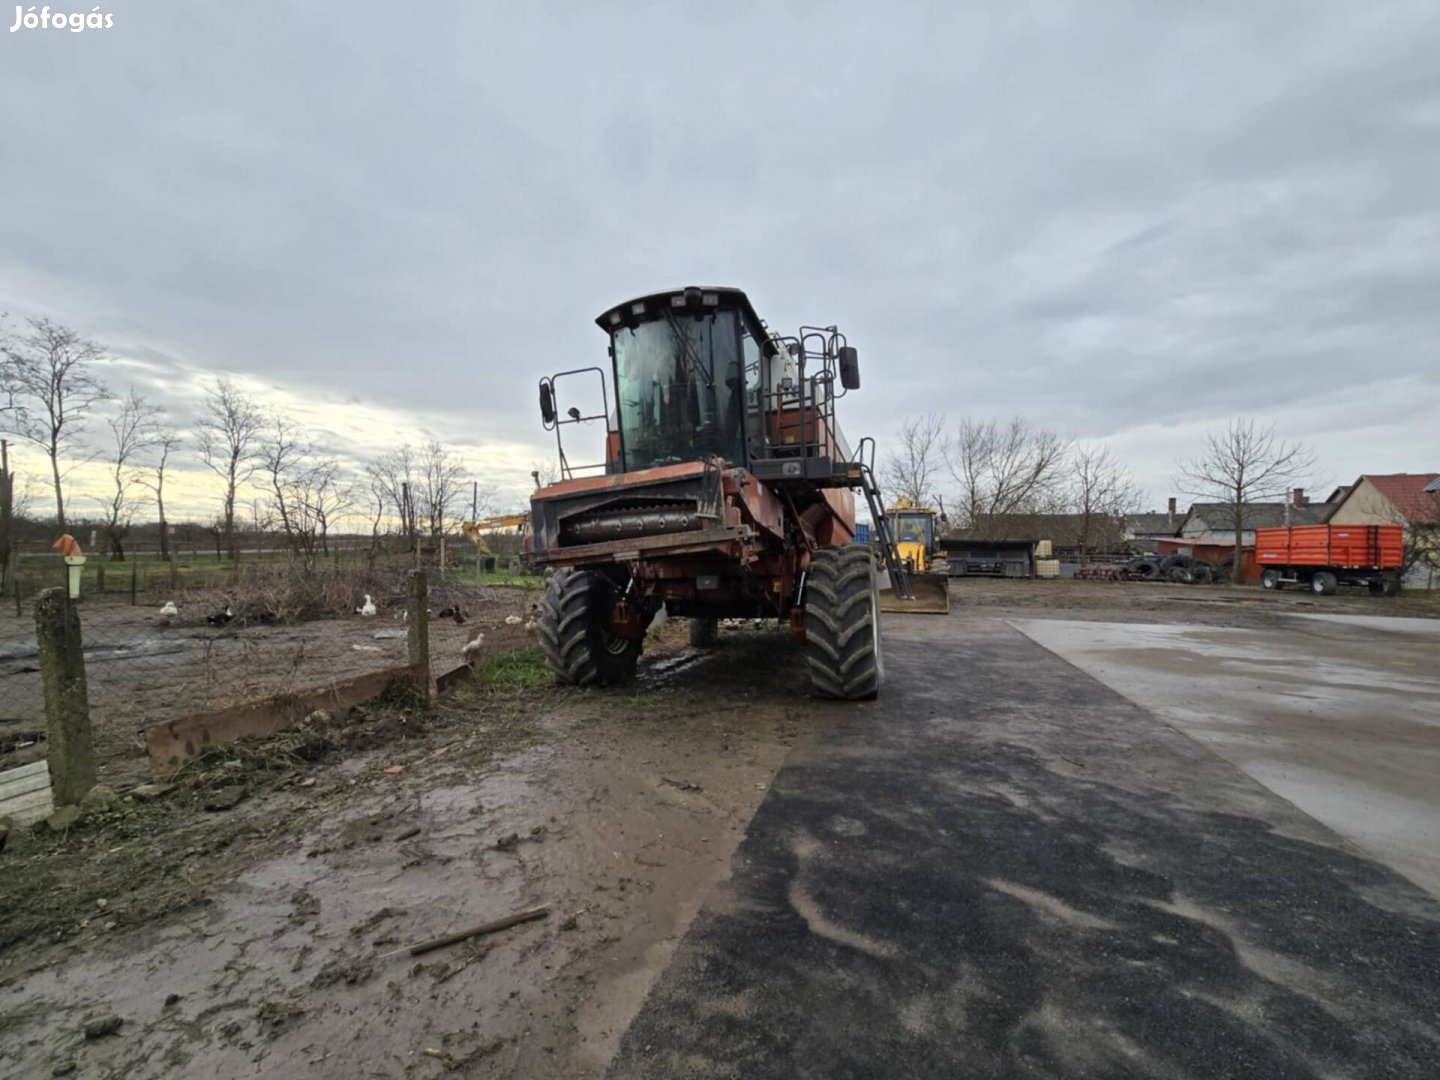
1006 869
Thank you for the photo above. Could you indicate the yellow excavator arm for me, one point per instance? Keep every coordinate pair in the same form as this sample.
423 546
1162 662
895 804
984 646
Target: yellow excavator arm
475 530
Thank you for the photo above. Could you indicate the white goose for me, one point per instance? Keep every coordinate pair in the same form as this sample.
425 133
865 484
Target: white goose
367 609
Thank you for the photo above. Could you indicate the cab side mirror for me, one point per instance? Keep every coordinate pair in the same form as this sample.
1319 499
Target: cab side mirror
547 403
849 367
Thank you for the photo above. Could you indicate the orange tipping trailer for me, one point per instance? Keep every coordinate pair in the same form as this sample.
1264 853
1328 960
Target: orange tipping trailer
1322 557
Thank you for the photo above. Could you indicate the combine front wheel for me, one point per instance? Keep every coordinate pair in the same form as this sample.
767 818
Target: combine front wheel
842 623
575 634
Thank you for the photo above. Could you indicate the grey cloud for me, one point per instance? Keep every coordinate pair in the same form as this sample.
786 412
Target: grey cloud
1031 210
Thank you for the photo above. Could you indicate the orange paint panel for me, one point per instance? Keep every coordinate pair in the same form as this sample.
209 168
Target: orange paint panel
1379 546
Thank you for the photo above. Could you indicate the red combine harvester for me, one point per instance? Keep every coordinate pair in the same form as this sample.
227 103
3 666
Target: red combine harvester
727 491
1324 557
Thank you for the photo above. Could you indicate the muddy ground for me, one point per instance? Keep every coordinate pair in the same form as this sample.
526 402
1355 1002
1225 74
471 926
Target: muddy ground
142 669
254 920
268 938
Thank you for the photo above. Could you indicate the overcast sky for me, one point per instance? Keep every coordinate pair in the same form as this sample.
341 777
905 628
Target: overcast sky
1127 220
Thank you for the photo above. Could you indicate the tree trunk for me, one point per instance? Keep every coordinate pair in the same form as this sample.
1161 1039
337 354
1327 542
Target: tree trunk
1237 571
59 494
164 527
230 517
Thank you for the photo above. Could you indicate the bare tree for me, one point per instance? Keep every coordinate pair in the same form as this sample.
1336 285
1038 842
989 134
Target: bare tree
280 454
50 392
1101 493
377 500
165 440
132 430
229 431
391 478
917 469
328 495
1244 464
441 487
544 473
1004 471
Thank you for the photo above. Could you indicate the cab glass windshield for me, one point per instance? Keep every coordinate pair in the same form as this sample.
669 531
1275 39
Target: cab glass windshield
680 390
914 529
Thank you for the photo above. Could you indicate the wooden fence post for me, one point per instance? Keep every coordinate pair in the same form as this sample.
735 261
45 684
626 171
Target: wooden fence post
418 636
70 749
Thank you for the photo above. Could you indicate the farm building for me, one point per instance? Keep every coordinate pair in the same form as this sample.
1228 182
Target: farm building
1146 526
1408 499
1214 522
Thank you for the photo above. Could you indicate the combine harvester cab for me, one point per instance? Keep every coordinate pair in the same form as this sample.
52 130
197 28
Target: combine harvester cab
726 491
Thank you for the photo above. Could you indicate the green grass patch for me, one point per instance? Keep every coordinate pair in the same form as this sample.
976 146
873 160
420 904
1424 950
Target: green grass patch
522 669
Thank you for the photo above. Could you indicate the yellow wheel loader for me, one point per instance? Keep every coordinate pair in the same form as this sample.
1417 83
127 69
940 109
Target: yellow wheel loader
916 541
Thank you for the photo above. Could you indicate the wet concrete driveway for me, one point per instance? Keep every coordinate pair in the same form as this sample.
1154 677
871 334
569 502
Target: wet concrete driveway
1340 715
1006 868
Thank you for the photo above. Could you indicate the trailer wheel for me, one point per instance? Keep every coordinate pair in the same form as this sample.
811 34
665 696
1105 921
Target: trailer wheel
1385 586
842 624
1270 579
1376 587
579 648
1323 583
703 631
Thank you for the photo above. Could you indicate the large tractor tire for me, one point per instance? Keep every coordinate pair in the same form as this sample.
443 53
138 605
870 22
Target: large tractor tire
703 631
574 633
842 624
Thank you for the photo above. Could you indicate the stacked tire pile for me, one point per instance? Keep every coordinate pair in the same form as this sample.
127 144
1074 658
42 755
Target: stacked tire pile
1181 569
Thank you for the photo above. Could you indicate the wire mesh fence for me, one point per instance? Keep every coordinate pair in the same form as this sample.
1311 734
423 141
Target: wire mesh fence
165 647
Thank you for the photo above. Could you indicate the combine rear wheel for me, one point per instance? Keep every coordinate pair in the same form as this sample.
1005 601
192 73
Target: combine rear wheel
575 634
842 623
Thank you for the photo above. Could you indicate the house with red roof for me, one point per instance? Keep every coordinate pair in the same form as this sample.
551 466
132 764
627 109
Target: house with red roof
1408 499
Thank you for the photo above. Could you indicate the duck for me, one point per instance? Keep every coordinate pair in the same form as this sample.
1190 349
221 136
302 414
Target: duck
169 611
513 620
472 647
220 618
532 624
367 609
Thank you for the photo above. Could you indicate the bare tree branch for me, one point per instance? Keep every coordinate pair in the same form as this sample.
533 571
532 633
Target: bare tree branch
1006 471
441 490
1102 492
132 431
165 441
50 393
228 433
916 470
1243 464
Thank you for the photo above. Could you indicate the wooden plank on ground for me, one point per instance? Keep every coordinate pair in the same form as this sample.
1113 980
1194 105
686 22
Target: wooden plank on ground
24 778
25 793
174 743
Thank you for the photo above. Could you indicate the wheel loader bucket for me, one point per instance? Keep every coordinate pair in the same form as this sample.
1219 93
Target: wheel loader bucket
932 595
